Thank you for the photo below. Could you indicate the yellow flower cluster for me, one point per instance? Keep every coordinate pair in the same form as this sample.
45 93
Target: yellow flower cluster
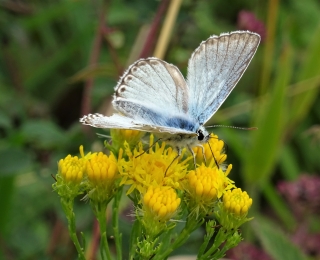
151 168
232 210
157 175
161 202
237 202
96 173
159 205
205 185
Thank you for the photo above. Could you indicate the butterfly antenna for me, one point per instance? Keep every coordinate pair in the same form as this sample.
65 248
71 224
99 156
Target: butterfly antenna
215 160
149 148
179 153
226 147
234 127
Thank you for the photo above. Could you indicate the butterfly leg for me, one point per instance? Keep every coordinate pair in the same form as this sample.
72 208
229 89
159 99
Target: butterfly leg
194 157
203 154
175 158
149 147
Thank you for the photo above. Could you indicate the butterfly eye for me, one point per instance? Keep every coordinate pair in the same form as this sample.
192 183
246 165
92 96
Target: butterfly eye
200 135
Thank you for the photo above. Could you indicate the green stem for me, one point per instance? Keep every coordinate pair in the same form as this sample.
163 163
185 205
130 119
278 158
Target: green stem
228 237
115 223
204 244
134 238
191 225
67 205
218 240
101 208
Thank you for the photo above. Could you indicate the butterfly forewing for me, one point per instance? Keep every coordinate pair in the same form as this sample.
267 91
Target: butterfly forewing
214 69
153 83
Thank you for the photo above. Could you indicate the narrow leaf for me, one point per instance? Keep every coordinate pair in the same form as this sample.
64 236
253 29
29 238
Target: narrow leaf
274 242
301 104
270 122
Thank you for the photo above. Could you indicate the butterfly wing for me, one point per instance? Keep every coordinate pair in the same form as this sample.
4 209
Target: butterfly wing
152 96
154 92
153 83
214 69
118 121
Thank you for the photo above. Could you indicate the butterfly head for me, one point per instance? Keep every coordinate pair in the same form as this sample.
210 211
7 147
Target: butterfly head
203 135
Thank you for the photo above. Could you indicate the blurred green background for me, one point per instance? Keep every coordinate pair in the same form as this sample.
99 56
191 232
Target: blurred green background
61 59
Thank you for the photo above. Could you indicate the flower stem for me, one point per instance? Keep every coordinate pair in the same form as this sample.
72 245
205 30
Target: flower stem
218 240
67 205
134 238
229 238
101 208
115 223
191 225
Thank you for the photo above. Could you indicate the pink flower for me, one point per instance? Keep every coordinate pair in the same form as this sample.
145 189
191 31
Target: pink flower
248 21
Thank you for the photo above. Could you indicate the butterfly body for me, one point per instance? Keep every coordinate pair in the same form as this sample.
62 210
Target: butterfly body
185 140
153 96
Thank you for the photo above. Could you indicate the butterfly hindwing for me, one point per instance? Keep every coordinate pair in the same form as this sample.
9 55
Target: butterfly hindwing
118 121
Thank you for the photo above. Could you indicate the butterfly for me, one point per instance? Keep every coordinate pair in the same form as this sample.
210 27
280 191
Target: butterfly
153 96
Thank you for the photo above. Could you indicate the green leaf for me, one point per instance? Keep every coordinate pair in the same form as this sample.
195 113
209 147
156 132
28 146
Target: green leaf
289 163
5 120
260 159
51 12
6 192
93 71
302 103
14 160
274 242
279 205
43 134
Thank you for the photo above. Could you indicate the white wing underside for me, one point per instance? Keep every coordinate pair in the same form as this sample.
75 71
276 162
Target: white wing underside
118 121
215 68
153 96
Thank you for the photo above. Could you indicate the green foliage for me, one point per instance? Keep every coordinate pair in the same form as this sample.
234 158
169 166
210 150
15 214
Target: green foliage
275 241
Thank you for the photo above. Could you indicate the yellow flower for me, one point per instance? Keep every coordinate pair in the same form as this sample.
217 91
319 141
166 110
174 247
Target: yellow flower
237 202
160 204
71 169
217 147
120 135
83 156
101 169
102 172
151 168
232 211
69 177
127 134
204 186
